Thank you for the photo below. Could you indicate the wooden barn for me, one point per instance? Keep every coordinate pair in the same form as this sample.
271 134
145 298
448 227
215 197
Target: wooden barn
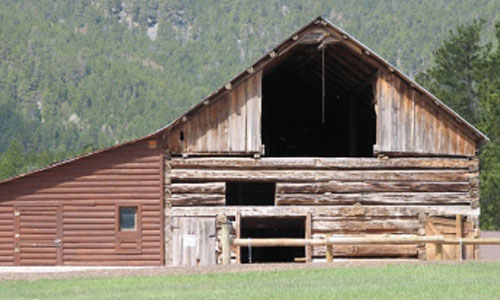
320 136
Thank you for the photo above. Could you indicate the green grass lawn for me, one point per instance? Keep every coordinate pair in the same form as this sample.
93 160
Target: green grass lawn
425 281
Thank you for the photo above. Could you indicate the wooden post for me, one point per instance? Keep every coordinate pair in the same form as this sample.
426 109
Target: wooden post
458 224
238 235
309 236
439 251
329 248
226 242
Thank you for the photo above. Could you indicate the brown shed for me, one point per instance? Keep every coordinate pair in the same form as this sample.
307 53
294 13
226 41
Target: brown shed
319 136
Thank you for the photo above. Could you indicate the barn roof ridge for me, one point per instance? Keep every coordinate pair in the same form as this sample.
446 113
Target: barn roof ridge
259 64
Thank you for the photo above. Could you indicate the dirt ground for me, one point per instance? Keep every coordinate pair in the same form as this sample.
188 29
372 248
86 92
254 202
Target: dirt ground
35 273
490 252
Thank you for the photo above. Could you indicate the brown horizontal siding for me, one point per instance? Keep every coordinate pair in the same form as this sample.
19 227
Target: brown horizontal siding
88 191
6 235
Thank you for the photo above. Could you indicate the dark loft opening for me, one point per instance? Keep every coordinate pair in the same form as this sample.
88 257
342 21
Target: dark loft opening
297 120
250 193
272 227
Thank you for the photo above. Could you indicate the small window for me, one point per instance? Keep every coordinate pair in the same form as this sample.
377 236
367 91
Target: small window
128 218
250 193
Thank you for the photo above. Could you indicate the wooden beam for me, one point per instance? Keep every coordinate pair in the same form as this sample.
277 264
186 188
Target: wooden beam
192 175
328 210
322 163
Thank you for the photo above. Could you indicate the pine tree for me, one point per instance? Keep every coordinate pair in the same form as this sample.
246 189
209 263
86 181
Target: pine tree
466 76
12 161
455 76
489 123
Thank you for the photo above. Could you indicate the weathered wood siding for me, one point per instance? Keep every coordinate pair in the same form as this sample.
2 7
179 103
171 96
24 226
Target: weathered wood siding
193 241
228 125
345 196
407 122
86 191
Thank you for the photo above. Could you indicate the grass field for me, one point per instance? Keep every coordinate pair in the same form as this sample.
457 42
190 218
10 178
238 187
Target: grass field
425 281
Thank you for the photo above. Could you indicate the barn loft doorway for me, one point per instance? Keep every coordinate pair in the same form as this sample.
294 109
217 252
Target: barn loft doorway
272 227
319 102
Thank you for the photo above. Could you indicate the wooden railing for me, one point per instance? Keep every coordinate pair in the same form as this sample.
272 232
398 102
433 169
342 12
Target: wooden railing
437 240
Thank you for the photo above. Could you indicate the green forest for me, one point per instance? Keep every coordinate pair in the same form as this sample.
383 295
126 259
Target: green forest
76 76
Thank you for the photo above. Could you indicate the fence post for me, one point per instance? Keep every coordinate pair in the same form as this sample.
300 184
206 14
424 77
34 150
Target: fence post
439 251
329 248
226 242
458 224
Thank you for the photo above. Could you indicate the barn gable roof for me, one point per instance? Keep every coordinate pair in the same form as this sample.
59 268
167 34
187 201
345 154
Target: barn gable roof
296 38
273 55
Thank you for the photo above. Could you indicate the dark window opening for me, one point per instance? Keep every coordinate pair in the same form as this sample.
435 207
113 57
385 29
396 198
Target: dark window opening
296 121
250 193
181 135
272 227
128 218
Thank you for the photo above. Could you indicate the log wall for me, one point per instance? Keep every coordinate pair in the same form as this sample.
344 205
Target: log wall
86 192
407 122
344 196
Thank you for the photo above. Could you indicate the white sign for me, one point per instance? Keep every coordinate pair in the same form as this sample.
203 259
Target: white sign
189 240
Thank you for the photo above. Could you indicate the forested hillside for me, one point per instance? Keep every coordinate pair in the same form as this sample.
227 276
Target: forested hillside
81 75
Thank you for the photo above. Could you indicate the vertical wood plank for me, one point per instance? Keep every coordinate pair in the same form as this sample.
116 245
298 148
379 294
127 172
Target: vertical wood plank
427 133
453 139
223 131
176 241
417 147
387 116
203 129
234 131
395 113
239 143
379 108
412 139
256 119
249 113
213 241
437 127
402 116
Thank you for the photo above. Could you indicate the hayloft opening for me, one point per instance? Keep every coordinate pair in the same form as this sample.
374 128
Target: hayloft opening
318 102
272 227
250 193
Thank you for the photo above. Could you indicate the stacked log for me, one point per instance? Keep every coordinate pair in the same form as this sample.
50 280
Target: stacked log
345 196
